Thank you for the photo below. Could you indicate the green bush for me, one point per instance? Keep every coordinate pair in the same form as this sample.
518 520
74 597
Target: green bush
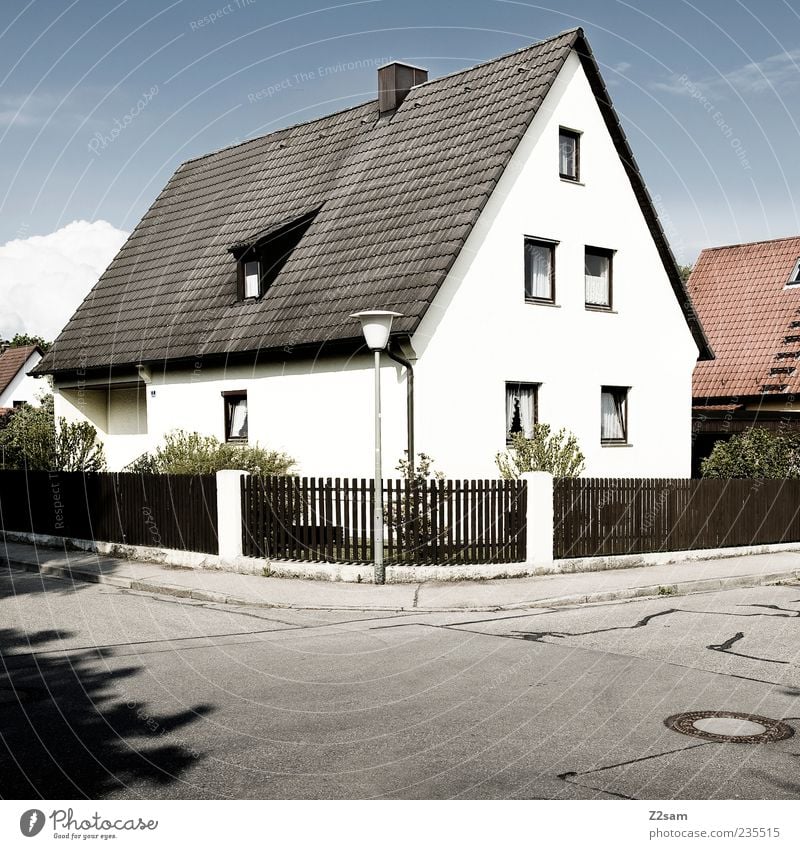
557 453
31 440
183 453
755 453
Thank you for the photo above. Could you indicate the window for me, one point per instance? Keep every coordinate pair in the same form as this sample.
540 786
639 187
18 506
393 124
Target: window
252 279
522 408
614 414
235 416
540 264
597 268
794 280
569 154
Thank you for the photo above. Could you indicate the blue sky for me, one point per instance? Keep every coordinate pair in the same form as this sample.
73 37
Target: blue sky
707 92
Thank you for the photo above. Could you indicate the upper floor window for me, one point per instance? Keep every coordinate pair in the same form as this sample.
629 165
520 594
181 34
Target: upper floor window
597 267
252 279
522 408
235 416
540 270
569 154
614 414
794 280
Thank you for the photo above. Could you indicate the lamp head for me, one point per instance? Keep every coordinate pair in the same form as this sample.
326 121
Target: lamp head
376 325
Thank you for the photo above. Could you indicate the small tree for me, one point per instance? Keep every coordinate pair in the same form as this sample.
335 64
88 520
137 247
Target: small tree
557 453
183 453
32 439
755 453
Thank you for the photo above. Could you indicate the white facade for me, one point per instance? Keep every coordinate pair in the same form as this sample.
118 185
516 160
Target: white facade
24 389
478 334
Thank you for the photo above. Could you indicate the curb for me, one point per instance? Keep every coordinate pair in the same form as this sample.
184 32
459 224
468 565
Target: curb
178 591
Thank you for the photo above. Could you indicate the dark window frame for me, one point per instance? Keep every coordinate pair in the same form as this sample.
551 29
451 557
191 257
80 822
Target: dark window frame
550 244
528 385
228 397
575 135
621 398
609 254
794 278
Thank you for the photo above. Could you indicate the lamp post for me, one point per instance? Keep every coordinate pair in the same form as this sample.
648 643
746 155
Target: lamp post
376 326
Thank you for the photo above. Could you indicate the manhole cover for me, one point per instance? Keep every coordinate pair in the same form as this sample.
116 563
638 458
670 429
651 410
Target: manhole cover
725 726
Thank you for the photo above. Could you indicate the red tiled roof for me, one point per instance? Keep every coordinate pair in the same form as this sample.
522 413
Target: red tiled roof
11 361
747 310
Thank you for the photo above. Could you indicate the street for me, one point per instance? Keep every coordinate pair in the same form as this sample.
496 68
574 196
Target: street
109 693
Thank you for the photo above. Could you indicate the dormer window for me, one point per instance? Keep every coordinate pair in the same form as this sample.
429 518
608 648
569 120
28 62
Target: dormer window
252 279
794 280
261 257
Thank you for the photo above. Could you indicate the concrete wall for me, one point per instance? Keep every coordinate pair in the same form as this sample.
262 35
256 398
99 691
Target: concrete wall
479 333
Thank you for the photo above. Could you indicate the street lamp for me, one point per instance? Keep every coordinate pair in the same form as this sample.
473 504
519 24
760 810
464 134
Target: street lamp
376 326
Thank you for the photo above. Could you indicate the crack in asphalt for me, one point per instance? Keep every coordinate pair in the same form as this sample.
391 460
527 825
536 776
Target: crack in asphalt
724 648
566 776
537 636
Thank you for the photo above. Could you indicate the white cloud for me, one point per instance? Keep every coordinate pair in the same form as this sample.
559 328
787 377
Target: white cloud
778 73
43 279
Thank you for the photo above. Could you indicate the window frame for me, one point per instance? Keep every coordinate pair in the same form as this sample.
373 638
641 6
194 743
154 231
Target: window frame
608 253
243 263
624 391
528 385
550 244
575 135
228 397
794 277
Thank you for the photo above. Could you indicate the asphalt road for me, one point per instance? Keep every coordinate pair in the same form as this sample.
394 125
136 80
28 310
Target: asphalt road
106 693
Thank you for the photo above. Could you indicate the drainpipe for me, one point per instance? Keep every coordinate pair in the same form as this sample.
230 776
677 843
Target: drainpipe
399 358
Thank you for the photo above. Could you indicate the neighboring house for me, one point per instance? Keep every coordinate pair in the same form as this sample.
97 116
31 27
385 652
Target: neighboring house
499 209
748 300
17 387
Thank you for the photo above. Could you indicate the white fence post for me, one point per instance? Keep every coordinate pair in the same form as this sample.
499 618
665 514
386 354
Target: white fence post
229 512
539 519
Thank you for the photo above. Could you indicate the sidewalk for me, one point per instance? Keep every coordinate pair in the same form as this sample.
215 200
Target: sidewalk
500 594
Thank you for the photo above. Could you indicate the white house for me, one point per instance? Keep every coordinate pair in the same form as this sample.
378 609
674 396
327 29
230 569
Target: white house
17 386
499 209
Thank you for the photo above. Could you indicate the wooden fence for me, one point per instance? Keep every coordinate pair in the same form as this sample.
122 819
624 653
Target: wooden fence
436 522
605 516
165 511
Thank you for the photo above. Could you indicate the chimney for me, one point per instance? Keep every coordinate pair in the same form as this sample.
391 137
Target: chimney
394 82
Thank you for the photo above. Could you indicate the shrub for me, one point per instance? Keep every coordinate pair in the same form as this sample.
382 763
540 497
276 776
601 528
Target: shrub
32 439
755 453
183 453
557 453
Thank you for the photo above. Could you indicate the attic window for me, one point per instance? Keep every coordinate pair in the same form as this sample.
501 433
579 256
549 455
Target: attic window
569 154
794 280
261 257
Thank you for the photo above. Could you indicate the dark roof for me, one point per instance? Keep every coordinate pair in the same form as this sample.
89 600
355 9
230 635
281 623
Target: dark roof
11 361
397 199
741 296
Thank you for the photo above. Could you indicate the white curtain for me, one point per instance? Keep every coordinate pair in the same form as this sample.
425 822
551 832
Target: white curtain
251 279
538 271
567 161
238 420
597 280
525 396
611 423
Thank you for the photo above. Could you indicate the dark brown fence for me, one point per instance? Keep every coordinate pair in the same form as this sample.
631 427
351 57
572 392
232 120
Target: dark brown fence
437 522
166 511
603 516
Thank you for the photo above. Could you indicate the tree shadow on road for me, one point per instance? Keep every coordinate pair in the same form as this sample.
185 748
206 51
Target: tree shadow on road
70 728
